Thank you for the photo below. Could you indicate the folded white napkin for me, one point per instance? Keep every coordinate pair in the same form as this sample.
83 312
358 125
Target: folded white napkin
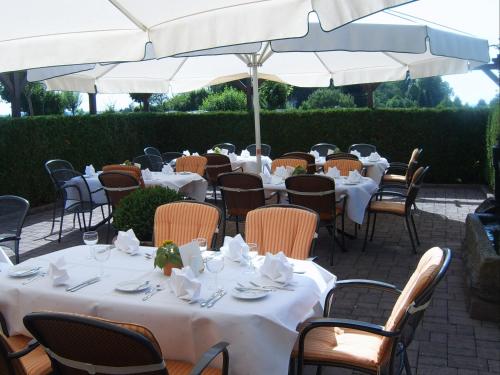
374 156
333 172
277 268
146 174
315 154
184 284
127 242
90 170
57 272
167 169
196 154
283 172
210 151
234 248
356 152
4 258
186 153
276 180
233 157
245 154
354 177
330 151
137 165
266 177
224 151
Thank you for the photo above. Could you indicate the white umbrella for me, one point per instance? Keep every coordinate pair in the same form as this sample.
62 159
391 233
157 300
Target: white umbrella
36 33
353 54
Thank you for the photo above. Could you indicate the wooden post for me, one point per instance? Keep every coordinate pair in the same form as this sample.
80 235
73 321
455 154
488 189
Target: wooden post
92 104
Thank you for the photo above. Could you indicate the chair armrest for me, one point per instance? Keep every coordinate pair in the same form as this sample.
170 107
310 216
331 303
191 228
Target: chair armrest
393 186
95 191
240 168
33 344
272 195
396 167
382 193
3 325
343 323
362 283
210 355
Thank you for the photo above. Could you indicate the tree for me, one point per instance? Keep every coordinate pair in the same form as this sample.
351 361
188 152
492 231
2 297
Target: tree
142 99
328 98
228 100
274 95
72 101
190 101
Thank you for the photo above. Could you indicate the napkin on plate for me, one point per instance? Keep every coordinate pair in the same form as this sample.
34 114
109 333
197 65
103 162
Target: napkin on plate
127 242
356 152
224 151
167 169
146 174
245 154
374 156
234 248
57 272
233 157
186 153
210 151
315 154
333 172
330 151
283 172
90 170
354 177
184 284
277 268
196 154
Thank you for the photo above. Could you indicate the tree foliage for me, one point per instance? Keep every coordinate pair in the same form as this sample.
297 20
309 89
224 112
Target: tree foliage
274 95
36 100
230 99
72 101
328 98
190 101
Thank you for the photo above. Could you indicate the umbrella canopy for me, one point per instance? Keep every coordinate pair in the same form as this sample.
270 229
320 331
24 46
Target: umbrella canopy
37 33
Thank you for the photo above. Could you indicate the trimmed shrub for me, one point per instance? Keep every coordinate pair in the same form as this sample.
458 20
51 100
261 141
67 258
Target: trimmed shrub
492 132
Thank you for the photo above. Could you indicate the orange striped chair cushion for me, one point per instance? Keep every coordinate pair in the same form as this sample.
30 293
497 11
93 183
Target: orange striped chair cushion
286 229
130 169
34 363
182 222
343 165
194 164
285 162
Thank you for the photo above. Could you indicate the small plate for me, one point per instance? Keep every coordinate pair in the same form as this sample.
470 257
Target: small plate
249 294
132 286
23 271
184 173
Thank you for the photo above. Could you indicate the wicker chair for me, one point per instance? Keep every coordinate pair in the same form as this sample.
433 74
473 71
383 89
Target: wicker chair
364 149
217 164
265 149
80 344
403 209
143 161
169 157
193 164
341 155
288 228
367 347
228 146
21 355
318 194
391 176
182 222
13 211
343 165
132 170
324 148
288 162
310 159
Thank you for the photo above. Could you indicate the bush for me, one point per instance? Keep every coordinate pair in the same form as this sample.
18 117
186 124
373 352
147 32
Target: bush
137 210
328 98
228 100
492 132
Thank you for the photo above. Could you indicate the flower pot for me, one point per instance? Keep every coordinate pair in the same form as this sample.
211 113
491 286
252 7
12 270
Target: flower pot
167 269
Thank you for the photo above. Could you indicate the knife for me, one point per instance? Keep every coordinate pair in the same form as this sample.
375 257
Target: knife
83 284
212 302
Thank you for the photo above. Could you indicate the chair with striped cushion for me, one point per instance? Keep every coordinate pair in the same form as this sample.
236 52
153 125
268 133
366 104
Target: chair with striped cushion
310 159
400 174
182 222
288 162
288 228
341 155
367 347
81 344
21 355
193 164
343 165
132 170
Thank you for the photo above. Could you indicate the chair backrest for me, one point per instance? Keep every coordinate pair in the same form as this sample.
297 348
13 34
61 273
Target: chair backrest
313 191
364 149
323 148
144 161
118 185
343 165
241 192
415 185
169 156
79 192
265 149
156 163
341 155
132 170
288 228
182 222
56 164
228 146
75 343
152 151
288 162
13 211
194 164
412 164
310 159
409 308
216 164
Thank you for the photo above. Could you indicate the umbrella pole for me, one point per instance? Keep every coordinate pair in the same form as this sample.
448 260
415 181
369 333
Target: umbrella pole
256 111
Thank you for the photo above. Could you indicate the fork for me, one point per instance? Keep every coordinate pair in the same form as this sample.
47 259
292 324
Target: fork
39 276
270 287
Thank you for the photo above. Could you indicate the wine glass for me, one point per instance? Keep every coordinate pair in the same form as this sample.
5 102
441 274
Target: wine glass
90 239
101 254
215 264
202 243
249 256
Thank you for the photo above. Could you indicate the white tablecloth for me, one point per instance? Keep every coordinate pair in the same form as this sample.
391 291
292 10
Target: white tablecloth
249 164
374 169
358 195
261 333
190 184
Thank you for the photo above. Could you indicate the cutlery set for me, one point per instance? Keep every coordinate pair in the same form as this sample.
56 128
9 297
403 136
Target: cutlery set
83 284
212 300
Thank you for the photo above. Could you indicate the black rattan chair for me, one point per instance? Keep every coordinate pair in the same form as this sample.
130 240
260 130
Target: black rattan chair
363 148
169 157
323 148
310 159
265 149
341 155
399 175
13 211
228 146
152 162
217 164
150 150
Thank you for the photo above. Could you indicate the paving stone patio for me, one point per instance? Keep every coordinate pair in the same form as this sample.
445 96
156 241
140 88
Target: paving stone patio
448 342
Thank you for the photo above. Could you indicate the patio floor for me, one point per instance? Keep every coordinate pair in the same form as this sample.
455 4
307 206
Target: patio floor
448 342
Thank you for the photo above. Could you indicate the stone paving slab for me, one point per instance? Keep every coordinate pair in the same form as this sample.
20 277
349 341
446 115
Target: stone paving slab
447 342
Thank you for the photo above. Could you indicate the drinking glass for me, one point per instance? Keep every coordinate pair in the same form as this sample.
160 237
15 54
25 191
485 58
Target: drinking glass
252 253
215 264
90 239
101 254
202 243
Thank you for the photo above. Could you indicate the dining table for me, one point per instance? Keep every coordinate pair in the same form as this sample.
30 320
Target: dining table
261 331
249 163
375 169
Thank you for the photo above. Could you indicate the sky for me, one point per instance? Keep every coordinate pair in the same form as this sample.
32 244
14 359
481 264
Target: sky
479 18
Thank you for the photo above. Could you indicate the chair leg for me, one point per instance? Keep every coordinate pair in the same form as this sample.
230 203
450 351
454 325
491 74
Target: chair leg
409 234
224 227
61 224
16 250
366 232
414 229
53 217
332 251
406 362
319 370
215 193
373 228
344 249
237 225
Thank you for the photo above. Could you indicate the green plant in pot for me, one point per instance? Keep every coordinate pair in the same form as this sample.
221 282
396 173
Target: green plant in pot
137 210
298 170
168 257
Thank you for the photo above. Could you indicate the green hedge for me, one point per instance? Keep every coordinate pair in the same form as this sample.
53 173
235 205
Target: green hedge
453 140
492 132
